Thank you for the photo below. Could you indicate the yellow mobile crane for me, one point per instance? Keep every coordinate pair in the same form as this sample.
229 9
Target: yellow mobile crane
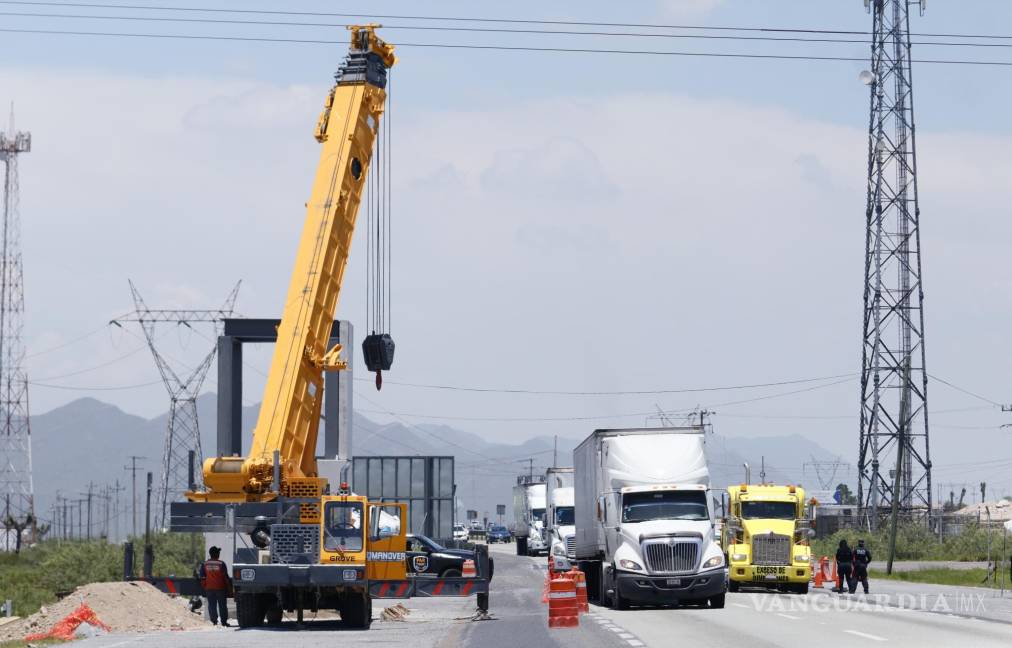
313 549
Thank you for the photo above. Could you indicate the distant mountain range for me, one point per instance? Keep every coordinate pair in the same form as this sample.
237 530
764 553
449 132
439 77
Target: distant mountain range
88 441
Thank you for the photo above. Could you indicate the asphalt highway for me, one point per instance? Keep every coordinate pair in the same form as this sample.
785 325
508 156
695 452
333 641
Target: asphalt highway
894 614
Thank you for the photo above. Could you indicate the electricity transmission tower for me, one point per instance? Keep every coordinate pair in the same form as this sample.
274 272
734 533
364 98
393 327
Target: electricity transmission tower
825 471
893 460
15 434
182 434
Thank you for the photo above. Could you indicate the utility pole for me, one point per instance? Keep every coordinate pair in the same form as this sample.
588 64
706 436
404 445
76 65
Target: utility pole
894 379
16 487
183 432
555 452
133 493
91 486
149 554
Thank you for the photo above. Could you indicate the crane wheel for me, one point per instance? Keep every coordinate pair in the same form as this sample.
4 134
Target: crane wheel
248 610
274 615
356 611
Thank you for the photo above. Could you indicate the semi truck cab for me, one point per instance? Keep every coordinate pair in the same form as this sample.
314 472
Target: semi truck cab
664 545
766 537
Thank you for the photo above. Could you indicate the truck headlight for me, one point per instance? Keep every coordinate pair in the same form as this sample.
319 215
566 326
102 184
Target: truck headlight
559 550
739 557
629 564
716 561
801 558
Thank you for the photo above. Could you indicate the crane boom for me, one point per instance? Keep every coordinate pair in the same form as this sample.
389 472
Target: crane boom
289 417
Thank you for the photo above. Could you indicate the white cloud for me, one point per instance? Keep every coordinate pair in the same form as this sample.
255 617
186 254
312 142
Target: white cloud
727 247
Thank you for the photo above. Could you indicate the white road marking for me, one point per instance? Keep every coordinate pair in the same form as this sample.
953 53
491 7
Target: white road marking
635 642
741 605
625 635
788 616
866 635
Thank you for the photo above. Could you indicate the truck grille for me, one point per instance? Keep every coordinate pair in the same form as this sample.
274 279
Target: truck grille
570 546
771 549
295 543
671 557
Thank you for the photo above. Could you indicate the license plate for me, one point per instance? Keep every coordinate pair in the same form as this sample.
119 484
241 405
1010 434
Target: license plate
674 582
247 574
771 576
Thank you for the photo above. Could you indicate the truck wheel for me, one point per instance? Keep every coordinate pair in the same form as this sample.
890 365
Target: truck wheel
733 586
615 601
717 601
801 589
356 611
248 611
521 546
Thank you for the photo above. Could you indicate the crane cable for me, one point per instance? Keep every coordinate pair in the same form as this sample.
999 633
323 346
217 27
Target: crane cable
378 226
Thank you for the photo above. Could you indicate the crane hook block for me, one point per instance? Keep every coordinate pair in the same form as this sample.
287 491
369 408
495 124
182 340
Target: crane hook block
378 351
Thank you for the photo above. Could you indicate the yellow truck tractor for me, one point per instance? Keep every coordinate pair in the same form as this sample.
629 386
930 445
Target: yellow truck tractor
765 536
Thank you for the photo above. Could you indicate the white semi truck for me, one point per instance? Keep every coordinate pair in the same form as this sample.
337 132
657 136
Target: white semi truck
645 524
529 514
559 532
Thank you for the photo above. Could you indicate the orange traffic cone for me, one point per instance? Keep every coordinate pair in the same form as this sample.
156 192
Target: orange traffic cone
562 607
469 570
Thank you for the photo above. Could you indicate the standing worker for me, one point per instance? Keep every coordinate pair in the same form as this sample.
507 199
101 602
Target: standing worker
844 565
215 580
861 559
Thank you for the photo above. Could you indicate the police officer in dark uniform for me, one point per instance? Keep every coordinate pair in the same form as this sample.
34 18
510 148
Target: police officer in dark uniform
844 566
216 582
861 559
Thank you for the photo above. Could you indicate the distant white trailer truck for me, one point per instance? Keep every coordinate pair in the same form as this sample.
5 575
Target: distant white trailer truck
645 524
529 514
559 529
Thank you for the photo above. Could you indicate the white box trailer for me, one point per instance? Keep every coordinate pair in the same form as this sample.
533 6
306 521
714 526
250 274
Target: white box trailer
645 525
529 514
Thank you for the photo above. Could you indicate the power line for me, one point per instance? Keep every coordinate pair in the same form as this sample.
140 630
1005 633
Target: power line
82 388
532 419
965 391
540 392
500 30
578 23
507 48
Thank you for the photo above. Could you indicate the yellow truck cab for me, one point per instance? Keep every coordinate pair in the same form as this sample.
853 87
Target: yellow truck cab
765 537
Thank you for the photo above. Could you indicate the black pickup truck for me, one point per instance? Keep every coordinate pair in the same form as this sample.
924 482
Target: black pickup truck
426 557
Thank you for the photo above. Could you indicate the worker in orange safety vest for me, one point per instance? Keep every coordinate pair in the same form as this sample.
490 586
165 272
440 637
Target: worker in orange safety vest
216 582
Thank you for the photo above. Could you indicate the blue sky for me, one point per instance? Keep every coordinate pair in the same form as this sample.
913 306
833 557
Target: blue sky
564 221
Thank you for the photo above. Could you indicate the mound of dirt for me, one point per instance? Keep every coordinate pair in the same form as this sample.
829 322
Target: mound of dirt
124 607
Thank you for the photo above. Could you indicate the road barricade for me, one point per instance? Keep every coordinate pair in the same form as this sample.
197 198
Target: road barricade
563 611
580 580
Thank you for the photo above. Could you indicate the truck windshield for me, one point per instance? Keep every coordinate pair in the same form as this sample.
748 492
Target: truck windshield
343 526
768 510
664 505
539 515
564 515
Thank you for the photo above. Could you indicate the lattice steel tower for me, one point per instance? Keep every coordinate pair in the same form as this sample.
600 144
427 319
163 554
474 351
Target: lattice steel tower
15 435
182 433
893 461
